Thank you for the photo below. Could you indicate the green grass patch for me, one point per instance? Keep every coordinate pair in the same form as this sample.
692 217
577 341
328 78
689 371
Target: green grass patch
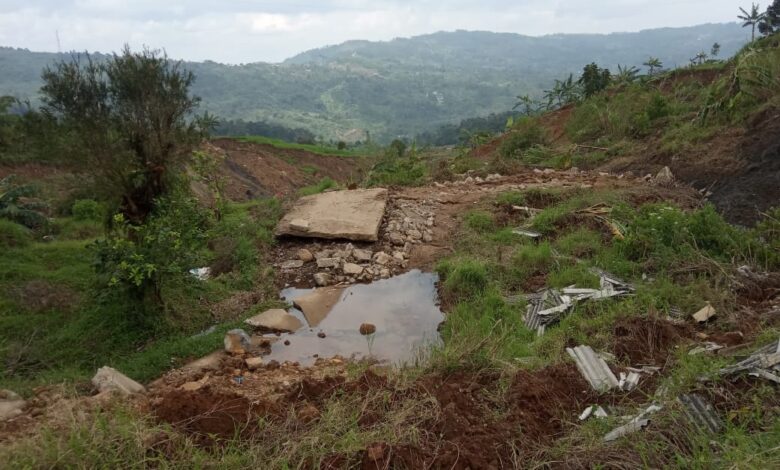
324 184
313 148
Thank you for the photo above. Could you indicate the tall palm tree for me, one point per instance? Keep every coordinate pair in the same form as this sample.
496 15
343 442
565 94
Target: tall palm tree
653 63
751 19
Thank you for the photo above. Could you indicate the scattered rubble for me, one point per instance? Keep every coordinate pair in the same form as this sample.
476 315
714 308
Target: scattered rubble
108 379
593 410
700 412
764 363
593 368
11 405
549 305
637 423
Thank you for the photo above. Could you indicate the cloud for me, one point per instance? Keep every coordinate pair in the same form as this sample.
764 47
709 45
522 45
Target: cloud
243 31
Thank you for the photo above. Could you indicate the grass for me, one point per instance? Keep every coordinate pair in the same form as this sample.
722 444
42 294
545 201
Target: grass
312 148
324 184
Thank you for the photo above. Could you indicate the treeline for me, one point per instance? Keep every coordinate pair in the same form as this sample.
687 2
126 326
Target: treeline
239 127
466 131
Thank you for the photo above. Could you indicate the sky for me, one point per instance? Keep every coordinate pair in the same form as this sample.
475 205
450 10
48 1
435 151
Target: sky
243 31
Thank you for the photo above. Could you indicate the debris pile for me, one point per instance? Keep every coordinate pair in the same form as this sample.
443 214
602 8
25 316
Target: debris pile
764 363
550 305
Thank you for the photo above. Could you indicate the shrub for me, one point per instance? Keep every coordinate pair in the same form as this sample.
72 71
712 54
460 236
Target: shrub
13 235
526 134
87 209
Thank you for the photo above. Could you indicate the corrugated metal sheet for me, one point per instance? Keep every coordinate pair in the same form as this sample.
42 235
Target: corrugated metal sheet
700 412
593 368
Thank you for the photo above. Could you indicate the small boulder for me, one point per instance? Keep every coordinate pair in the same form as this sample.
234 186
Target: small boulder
328 262
396 238
253 363
323 279
237 341
384 273
414 234
323 254
275 319
292 264
383 258
362 255
11 404
399 256
367 329
352 269
108 379
664 177
305 255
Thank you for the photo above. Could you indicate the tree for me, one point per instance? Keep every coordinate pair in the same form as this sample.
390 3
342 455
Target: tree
699 58
653 63
770 21
751 19
626 74
526 103
715 50
594 79
130 121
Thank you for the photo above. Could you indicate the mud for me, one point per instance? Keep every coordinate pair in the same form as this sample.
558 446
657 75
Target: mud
647 340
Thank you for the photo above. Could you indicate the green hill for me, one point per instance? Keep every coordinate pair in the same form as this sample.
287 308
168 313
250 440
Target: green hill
406 86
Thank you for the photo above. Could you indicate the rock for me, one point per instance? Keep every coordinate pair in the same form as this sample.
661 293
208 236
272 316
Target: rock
396 238
323 279
328 262
209 362
384 273
299 225
237 341
253 363
305 255
414 234
321 334
292 264
469 180
429 222
367 329
318 304
11 405
362 255
351 215
108 379
275 319
664 177
399 256
707 312
323 254
352 269
383 258
427 237
478 180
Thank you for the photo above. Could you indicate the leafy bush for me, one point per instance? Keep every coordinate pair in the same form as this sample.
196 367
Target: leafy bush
13 235
140 258
15 205
526 134
87 209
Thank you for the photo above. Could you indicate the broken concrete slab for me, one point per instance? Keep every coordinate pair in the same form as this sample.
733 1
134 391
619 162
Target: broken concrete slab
707 312
275 319
108 379
318 304
352 215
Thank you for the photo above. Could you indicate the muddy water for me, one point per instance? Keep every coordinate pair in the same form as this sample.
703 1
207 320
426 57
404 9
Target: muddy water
403 308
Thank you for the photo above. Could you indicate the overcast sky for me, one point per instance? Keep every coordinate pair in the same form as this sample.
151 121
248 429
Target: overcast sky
240 31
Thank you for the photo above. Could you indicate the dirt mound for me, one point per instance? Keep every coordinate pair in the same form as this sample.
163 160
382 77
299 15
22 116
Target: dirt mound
264 170
646 340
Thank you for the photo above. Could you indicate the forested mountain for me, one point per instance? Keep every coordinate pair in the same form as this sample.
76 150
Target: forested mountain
407 86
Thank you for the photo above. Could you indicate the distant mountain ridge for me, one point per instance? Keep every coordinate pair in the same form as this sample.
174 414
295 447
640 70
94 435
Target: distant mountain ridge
410 85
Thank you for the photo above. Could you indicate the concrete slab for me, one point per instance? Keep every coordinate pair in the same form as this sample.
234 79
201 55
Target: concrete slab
318 304
351 215
275 319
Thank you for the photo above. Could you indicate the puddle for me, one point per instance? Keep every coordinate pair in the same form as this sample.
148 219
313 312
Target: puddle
403 308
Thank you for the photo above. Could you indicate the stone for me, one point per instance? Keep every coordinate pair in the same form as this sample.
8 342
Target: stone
323 254
237 341
469 180
292 264
352 269
414 234
323 279
305 255
275 319
209 362
351 215
399 256
300 225
427 237
108 379
253 363
11 405
707 312
664 177
317 304
328 262
396 238
362 255
321 334
384 273
383 258
367 329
